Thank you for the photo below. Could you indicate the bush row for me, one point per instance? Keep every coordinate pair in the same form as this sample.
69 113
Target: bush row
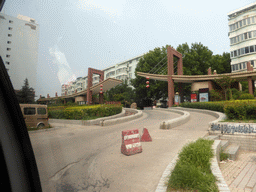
192 170
84 113
238 109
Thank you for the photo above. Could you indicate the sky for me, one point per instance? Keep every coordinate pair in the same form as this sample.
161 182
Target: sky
77 34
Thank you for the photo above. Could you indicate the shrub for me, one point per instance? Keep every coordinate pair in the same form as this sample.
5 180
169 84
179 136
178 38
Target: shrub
83 112
246 96
192 170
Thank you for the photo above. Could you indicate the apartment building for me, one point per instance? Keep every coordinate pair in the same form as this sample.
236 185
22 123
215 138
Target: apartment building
19 48
242 35
122 71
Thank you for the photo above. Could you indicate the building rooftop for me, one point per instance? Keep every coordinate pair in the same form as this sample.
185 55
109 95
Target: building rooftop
241 10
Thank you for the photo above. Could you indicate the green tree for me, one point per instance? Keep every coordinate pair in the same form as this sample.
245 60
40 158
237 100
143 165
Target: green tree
225 83
26 94
148 64
121 92
221 63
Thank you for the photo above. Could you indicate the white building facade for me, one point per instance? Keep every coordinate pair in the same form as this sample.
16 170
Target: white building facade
242 35
19 48
122 71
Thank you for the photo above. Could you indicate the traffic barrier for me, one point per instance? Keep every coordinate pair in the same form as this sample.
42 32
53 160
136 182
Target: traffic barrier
145 136
131 142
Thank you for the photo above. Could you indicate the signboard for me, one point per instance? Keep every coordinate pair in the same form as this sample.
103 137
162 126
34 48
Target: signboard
193 97
176 99
233 128
203 97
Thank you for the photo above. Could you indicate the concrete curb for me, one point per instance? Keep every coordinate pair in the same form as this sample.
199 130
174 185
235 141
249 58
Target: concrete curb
220 116
105 121
221 183
137 114
162 185
177 121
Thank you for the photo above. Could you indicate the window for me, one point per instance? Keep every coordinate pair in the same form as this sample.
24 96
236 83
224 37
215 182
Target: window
246 50
8 56
245 35
251 49
10 28
254 33
238 38
232 68
238 53
235 53
9 35
10 21
252 63
130 75
130 68
29 111
236 66
253 20
242 51
242 37
249 34
231 53
230 27
244 65
244 21
248 21
41 111
7 62
240 65
236 25
9 42
8 49
240 23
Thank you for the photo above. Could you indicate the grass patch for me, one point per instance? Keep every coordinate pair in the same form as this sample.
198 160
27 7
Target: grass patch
223 156
192 171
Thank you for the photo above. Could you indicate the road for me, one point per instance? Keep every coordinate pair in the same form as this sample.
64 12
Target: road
79 158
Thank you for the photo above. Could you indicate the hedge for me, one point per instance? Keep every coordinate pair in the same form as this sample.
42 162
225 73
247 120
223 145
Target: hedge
236 109
82 113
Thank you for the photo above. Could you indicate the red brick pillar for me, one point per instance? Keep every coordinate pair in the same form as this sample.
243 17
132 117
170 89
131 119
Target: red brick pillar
89 85
249 79
101 98
210 82
170 80
180 72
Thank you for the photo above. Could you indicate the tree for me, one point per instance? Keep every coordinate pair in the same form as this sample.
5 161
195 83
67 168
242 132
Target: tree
225 83
121 92
221 63
26 94
158 89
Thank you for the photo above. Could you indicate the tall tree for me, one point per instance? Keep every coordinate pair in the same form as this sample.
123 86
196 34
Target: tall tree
121 92
26 94
154 61
225 83
221 63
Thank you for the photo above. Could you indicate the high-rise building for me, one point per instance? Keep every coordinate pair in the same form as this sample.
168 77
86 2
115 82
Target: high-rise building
19 48
124 71
242 35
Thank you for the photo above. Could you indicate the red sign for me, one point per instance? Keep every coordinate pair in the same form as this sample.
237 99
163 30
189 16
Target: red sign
131 142
193 97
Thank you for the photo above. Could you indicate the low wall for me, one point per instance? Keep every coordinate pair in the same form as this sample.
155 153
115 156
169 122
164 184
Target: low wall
174 122
136 114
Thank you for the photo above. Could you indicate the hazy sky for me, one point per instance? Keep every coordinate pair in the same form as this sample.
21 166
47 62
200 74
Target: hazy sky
77 34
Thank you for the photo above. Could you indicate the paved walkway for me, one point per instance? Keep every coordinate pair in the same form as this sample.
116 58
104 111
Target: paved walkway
240 175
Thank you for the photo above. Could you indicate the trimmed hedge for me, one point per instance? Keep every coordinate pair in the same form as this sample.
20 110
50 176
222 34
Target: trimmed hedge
83 112
238 109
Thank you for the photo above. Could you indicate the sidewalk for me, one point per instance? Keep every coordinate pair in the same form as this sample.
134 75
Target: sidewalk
240 175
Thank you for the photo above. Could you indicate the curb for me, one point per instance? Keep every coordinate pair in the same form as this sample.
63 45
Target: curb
138 114
177 121
111 120
221 183
220 116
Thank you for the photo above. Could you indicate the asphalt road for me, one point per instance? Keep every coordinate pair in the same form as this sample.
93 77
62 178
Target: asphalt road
79 158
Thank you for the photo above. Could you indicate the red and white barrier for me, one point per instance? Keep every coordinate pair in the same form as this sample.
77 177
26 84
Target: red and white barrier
131 142
145 136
